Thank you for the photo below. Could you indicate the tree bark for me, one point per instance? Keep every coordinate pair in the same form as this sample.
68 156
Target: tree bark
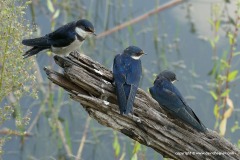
90 83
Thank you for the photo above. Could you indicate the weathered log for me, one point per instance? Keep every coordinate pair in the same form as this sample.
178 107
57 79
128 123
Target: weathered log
90 83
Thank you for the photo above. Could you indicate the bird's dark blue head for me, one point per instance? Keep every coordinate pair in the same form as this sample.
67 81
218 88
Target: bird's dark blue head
134 52
169 75
85 26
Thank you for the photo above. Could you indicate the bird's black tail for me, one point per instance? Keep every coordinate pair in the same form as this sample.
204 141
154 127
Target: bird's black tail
187 118
33 51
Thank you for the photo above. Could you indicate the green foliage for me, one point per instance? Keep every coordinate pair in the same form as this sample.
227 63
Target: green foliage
136 149
14 72
116 145
214 95
235 127
5 113
50 6
232 75
68 136
222 72
16 75
54 13
238 144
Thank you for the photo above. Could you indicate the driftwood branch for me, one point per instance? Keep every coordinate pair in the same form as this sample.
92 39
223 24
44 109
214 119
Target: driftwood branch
90 83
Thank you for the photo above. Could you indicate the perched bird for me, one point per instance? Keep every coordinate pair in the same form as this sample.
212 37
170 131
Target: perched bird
168 96
63 40
127 71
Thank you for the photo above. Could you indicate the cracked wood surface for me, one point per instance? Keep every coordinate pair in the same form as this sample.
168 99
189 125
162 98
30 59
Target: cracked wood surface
90 83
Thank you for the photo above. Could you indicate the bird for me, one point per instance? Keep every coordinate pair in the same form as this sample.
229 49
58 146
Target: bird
127 72
63 40
169 97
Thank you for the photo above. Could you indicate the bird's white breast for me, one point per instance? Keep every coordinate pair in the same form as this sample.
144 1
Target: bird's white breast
68 49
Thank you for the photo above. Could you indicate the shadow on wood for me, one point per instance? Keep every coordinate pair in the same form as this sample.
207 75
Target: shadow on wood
90 83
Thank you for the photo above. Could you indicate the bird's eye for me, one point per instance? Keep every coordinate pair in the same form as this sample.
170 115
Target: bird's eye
84 28
88 29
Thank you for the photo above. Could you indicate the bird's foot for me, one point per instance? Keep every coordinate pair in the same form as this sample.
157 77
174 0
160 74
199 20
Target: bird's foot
135 118
76 55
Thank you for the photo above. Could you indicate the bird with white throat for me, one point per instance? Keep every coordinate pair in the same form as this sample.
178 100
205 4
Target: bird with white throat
62 41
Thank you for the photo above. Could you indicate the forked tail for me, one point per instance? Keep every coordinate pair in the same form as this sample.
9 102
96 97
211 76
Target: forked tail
33 51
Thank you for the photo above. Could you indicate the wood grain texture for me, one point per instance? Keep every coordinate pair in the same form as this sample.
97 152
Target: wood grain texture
90 83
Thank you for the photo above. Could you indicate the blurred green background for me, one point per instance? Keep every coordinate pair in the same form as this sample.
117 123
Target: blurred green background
198 40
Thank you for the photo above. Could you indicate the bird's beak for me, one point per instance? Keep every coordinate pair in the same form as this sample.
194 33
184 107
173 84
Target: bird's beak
143 53
94 34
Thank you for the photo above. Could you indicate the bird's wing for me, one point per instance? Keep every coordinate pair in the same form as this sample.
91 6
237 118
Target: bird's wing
190 111
120 79
119 71
177 105
134 72
186 106
62 37
169 98
130 98
189 119
121 97
63 31
38 42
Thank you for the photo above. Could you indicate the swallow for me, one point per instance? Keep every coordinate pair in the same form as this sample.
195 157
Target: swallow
169 97
127 72
64 40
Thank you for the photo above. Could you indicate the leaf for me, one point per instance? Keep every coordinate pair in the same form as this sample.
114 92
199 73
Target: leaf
230 103
231 38
137 147
155 75
232 75
212 43
222 127
228 113
225 93
56 14
134 157
67 135
238 144
216 39
217 25
211 22
224 62
50 6
28 2
236 53
213 94
122 156
116 145
216 124
215 111
235 127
